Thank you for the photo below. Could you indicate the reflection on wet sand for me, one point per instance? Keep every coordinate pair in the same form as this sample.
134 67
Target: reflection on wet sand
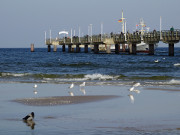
163 89
30 123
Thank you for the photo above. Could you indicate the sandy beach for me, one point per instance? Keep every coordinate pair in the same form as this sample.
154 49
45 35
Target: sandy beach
103 110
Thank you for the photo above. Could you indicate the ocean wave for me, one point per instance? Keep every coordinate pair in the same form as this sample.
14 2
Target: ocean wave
173 81
98 77
177 64
4 74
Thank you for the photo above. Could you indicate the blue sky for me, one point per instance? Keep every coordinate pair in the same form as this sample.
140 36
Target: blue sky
24 21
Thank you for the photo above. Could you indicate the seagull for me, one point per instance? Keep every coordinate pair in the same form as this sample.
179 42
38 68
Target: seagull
131 89
83 84
156 61
71 93
136 84
131 98
83 91
35 85
72 85
29 117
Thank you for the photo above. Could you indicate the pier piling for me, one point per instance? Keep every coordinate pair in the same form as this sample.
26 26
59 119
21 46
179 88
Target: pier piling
96 48
133 48
77 48
49 48
63 48
151 49
171 49
32 47
86 48
69 48
117 48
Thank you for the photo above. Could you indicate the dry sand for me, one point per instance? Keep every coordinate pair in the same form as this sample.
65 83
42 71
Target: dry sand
62 100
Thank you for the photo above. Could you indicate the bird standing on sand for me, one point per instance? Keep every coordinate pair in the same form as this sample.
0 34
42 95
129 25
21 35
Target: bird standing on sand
136 84
132 88
83 84
71 86
29 117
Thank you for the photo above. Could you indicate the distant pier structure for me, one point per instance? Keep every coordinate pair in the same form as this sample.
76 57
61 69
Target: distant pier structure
95 42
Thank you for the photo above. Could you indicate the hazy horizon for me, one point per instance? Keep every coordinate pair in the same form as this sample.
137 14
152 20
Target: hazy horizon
24 22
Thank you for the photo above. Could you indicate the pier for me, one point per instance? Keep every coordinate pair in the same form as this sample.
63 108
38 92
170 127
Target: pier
104 42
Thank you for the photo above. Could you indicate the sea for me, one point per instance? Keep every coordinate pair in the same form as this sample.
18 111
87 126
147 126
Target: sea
21 65
153 111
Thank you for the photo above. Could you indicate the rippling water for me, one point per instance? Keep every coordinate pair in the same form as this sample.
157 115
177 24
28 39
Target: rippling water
20 65
154 111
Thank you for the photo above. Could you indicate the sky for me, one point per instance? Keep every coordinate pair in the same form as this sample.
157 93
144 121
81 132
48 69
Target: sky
23 22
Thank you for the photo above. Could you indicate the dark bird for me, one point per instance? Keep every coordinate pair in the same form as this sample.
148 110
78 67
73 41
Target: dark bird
29 117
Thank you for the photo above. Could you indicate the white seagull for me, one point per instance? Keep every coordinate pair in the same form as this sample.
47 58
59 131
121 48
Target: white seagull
72 85
156 61
136 84
131 89
83 84
71 93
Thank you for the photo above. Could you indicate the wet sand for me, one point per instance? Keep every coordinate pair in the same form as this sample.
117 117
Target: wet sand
64 100
103 110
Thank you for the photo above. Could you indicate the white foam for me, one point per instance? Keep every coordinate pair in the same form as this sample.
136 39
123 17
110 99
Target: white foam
98 77
173 81
177 64
14 74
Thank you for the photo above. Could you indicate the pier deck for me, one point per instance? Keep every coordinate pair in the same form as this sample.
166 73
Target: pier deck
132 39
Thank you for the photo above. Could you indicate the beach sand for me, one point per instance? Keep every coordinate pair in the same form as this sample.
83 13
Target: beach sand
50 101
103 110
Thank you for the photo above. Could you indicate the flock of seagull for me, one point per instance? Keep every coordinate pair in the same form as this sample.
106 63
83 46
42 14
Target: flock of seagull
82 89
28 119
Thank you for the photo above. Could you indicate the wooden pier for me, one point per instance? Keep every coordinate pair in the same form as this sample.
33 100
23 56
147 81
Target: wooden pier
132 39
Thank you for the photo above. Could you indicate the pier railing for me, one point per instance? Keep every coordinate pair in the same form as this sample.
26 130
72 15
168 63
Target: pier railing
153 37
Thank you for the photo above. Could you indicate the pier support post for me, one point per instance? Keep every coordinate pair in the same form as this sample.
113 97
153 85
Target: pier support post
63 48
117 48
133 48
49 48
151 49
77 48
86 48
32 47
96 48
69 48
171 49
55 48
